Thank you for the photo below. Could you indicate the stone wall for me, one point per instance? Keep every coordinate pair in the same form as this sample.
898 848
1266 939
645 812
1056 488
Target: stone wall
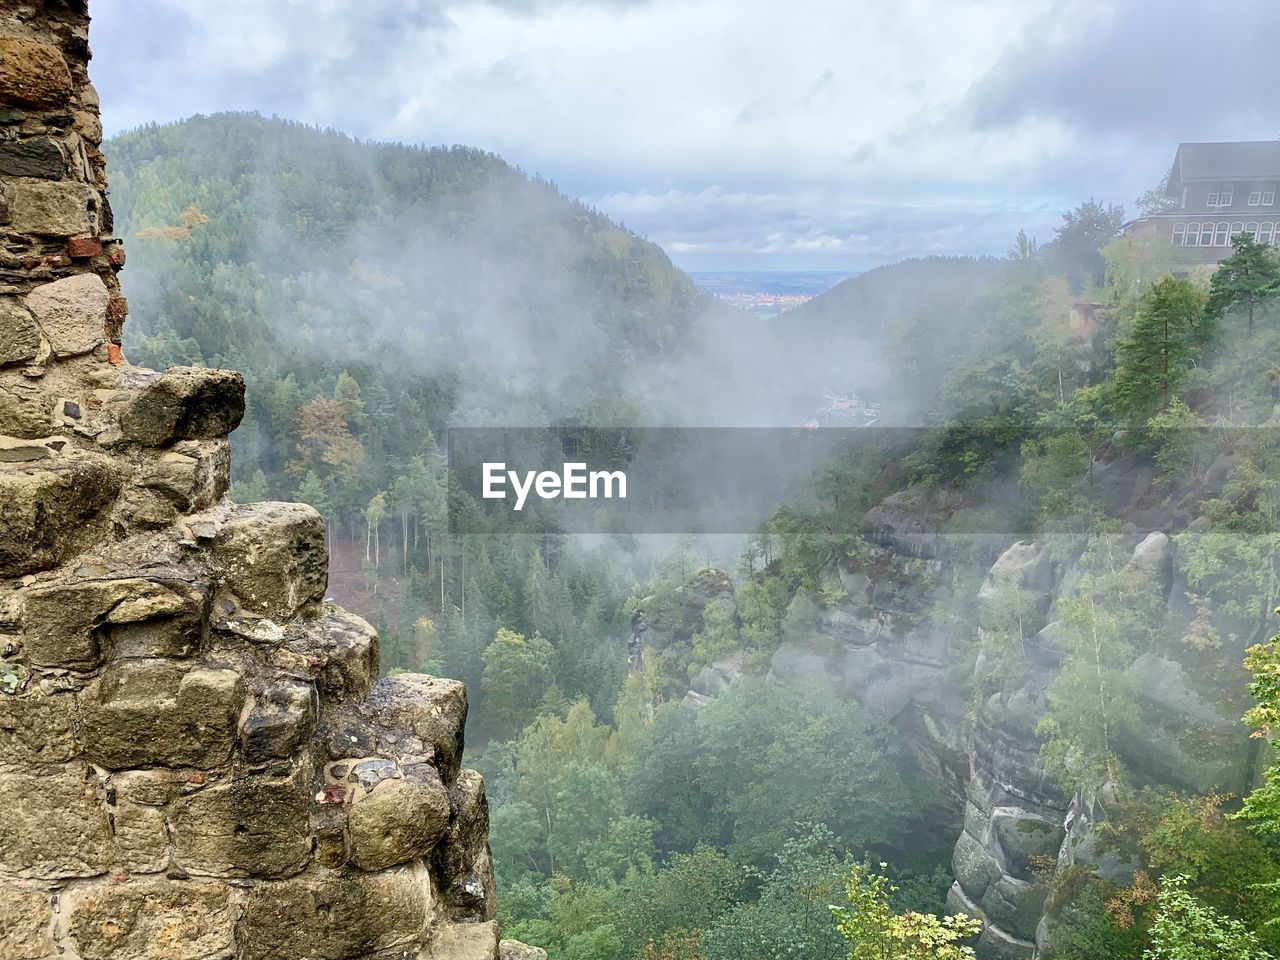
198 758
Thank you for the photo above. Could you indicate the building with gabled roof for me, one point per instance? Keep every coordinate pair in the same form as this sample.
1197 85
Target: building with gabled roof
1215 191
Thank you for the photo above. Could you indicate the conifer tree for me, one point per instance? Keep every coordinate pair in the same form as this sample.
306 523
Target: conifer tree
1155 358
1246 280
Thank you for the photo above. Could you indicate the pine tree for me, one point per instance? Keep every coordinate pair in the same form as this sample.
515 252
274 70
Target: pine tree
1246 280
1154 360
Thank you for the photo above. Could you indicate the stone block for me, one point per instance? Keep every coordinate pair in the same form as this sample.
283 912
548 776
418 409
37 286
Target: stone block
1015 906
464 941
399 820
327 915
342 649
156 619
84 246
48 208
1025 839
997 944
72 312
45 509
151 919
408 716
461 862
25 406
975 869
88 124
272 557
75 625
249 827
37 728
193 475
152 788
25 916
25 451
156 712
138 801
19 335
39 157
56 825
184 403
141 837
32 74
279 721
515 950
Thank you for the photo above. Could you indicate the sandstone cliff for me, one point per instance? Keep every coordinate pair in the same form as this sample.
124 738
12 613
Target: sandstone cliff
959 640
198 757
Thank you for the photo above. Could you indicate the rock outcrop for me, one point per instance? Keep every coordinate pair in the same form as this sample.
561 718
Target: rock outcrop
198 758
958 640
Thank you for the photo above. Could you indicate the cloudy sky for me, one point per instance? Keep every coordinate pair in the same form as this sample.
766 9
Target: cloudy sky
740 134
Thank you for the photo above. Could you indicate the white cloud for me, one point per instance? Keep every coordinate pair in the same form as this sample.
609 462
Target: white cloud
803 131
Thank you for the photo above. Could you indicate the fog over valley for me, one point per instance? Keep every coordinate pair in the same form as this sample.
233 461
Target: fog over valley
926 356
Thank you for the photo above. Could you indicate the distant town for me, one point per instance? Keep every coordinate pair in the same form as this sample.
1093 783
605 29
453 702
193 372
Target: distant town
767 293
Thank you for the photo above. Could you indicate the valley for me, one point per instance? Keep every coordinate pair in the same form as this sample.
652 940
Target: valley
1000 651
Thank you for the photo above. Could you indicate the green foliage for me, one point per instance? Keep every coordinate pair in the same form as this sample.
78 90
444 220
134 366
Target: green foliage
1175 431
516 673
1134 262
1053 468
1116 612
1227 868
812 759
717 639
1246 280
1087 931
791 916
1075 250
1187 929
1153 361
624 826
874 932
1262 806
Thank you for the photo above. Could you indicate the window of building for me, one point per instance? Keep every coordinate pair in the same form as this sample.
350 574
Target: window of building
1266 232
1252 230
1212 199
1193 235
1237 228
1255 197
1268 197
1179 233
1222 235
1224 198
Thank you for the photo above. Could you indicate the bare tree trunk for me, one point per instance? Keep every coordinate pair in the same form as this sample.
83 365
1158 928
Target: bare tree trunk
404 539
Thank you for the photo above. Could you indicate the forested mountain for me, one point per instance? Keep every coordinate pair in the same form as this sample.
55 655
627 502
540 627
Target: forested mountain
282 249
863 307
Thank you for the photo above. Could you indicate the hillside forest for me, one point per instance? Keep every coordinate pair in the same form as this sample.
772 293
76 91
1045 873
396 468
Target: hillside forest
768 747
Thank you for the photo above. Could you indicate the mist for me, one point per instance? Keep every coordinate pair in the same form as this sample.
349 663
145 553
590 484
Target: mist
966 566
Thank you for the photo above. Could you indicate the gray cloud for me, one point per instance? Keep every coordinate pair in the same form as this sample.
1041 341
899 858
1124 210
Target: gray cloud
733 131
1191 70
